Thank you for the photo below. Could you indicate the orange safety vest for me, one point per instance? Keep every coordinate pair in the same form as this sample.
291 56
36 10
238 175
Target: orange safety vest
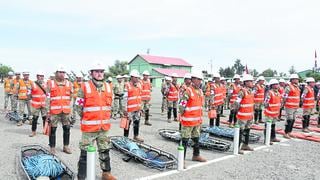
23 89
7 85
134 97
273 109
293 99
245 112
146 90
192 115
208 89
173 93
96 108
15 82
234 94
308 101
60 97
259 95
218 94
224 90
76 87
182 89
38 99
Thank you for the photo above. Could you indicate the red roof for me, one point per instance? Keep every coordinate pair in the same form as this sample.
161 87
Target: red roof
168 72
164 60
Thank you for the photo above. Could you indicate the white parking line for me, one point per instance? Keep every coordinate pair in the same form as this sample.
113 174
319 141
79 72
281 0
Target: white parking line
163 174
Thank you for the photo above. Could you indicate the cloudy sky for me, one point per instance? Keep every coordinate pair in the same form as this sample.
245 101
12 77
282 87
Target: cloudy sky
38 34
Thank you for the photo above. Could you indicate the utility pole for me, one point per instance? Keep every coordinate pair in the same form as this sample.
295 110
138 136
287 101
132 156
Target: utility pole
148 51
210 66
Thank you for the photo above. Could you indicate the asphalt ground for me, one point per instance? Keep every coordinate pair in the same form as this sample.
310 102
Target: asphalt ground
289 159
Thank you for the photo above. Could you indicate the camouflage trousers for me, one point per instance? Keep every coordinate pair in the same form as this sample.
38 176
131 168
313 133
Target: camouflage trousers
291 113
146 105
100 137
37 111
245 124
164 105
8 97
273 119
133 117
14 102
307 111
258 106
22 104
190 131
62 117
172 104
117 107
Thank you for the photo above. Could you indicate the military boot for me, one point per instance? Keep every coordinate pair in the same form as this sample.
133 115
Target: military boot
107 176
137 138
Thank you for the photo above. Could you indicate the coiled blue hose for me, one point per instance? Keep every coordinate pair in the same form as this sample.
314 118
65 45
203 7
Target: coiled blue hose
42 165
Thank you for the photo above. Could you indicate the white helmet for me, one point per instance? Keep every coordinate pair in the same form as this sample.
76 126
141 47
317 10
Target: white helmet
228 81
197 75
146 72
247 77
167 78
260 78
282 81
79 74
236 76
125 76
10 73
40 73
97 66
25 73
119 77
134 73
294 76
310 79
273 81
174 75
187 76
216 75
222 79
61 68
17 73
110 79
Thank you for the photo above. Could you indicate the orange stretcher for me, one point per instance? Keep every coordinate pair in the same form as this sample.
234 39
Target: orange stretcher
300 135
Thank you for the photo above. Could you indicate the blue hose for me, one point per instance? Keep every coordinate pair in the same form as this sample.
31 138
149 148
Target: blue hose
42 165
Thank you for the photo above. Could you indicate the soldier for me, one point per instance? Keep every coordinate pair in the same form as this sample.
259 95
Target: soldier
282 85
132 104
118 90
216 99
8 91
245 106
164 90
126 78
93 103
76 87
38 102
291 99
184 87
59 94
207 94
15 92
146 96
308 103
24 91
258 91
272 105
172 97
190 108
233 94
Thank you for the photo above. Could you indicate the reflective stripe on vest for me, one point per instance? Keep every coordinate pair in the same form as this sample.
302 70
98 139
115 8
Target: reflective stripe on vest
134 97
259 96
60 97
246 109
96 108
192 116
293 99
38 96
235 92
308 101
273 109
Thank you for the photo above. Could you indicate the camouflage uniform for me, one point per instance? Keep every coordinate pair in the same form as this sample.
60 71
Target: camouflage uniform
36 112
15 97
172 105
9 95
87 138
243 124
117 107
164 90
273 119
217 108
290 113
258 107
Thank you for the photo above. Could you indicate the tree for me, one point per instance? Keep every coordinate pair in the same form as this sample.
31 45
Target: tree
119 67
269 73
238 67
227 72
4 69
254 73
282 74
292 70
315 75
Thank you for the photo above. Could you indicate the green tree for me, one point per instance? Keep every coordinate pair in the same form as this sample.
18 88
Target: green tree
4 69
238 67
282 74
269 73
254 73
315 75
119 67
227 72
292 70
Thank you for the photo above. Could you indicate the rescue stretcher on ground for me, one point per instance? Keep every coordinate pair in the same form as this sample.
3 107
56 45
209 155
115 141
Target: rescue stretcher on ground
149 156
205 141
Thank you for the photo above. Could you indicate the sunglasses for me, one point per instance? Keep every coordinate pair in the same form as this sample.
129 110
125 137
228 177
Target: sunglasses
61 72
99 71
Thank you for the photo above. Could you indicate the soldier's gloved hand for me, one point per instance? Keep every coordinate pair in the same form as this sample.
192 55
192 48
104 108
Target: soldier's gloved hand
48 117
125 114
